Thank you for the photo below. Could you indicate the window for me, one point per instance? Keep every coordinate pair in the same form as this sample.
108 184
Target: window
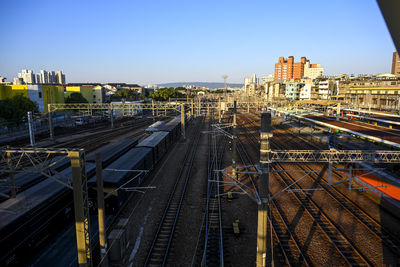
40 94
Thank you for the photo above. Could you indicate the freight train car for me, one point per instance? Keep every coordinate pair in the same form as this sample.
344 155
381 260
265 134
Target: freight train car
158 142
35 216
23 181
120 177
111 152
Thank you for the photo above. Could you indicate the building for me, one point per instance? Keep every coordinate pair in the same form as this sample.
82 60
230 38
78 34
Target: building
291 90
396 64
18 80
326 89
313 71
2 79
41 94
374 92
27 76
99 94
287 69
60 77
85 90
276 92
250 84
307 92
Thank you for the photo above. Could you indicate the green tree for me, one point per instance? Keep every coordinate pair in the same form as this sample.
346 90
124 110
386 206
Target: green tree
14 110
164 94
127 94
75 98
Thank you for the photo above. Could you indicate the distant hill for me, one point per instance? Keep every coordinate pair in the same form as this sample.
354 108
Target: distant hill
201 84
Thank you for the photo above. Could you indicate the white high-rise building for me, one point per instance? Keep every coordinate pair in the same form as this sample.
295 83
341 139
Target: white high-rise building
27 76
43 76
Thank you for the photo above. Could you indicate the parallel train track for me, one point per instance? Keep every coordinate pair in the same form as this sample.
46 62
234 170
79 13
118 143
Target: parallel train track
162 241
348 250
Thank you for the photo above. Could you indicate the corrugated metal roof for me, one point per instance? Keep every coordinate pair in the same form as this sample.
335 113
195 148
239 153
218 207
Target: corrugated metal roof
153 140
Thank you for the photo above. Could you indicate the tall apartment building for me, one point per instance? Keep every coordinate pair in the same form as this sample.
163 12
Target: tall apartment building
396 64
60 77
27 76
287 69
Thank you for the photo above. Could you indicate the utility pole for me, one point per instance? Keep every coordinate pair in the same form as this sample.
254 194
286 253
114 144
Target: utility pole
219 111
101 210
234 141
31 130
51 129
152 109
263 206
111 116
11 177
183 121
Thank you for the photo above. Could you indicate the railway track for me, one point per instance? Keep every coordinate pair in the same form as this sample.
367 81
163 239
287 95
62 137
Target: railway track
213 249
383 235
391 241
291 250
162 241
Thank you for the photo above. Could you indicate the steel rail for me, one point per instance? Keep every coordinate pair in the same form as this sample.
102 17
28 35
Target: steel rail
188 159
215 155
280 236
343 245
380 231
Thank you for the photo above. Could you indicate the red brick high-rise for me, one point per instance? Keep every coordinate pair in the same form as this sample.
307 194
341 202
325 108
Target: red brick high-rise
396 64
288 69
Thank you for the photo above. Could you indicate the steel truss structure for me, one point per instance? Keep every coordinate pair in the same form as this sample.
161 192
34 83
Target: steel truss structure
334 156
40 160
156 105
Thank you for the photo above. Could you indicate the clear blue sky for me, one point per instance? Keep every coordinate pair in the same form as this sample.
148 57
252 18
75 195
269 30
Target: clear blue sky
147 41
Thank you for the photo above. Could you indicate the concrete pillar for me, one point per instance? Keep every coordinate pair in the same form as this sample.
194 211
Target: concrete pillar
101 210
263 206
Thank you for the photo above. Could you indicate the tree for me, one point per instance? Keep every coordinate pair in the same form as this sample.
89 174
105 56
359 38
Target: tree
127 94
164 94
75 98
14 110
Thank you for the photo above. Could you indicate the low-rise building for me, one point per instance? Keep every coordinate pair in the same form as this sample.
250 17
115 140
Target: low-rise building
291 90
41 94
374 93
85 90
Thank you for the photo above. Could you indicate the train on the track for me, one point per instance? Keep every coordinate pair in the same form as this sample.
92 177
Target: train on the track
43 206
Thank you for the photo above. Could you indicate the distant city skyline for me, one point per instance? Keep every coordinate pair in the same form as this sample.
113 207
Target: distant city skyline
153 42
